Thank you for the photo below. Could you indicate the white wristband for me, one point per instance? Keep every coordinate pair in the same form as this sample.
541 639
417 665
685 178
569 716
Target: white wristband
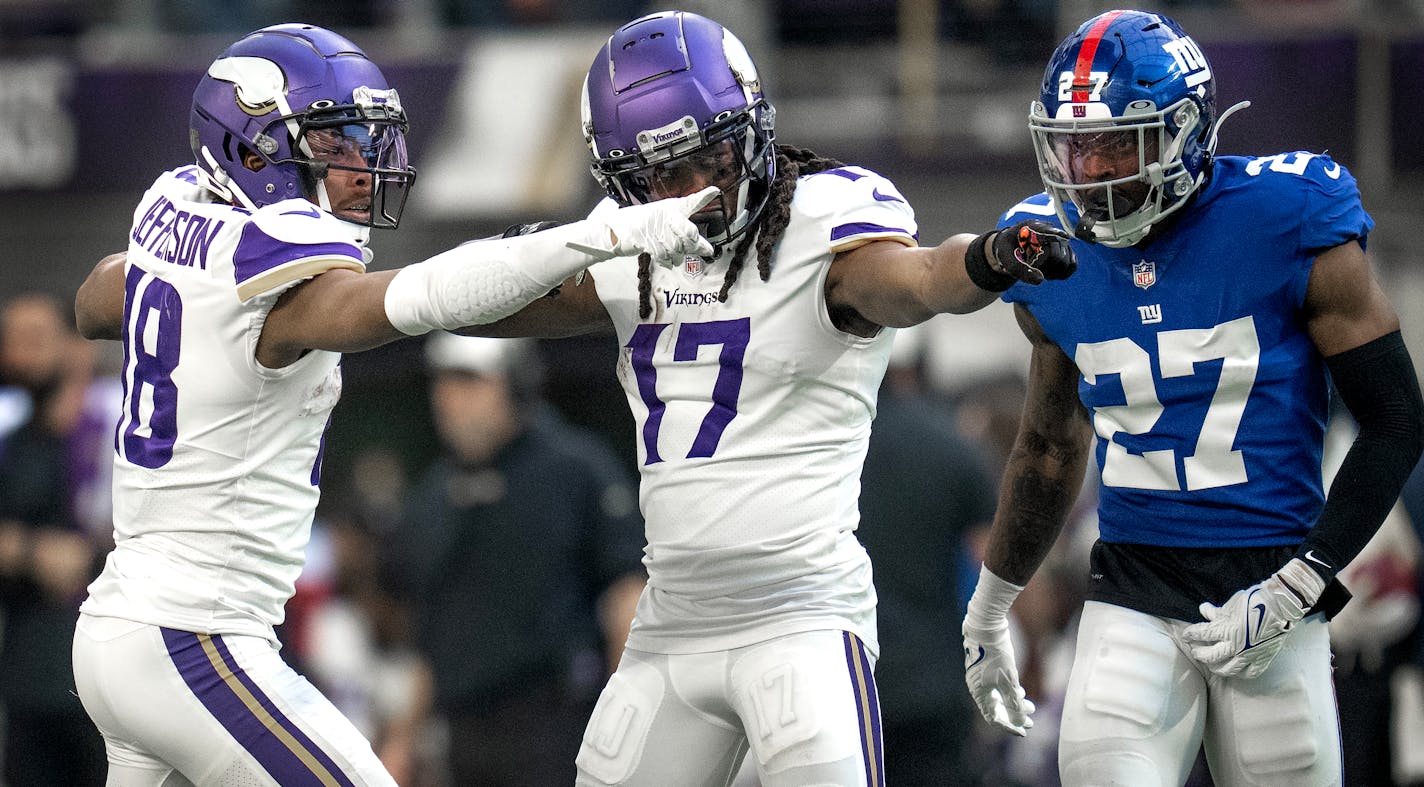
1302 581
989 606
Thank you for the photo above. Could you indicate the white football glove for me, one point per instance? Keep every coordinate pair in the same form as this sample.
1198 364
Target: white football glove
661 229
1243 636
989 666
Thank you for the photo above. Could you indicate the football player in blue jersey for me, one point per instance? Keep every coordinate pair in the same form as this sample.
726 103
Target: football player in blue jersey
1217 303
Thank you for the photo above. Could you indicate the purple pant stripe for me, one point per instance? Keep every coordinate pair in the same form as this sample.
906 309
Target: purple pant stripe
867 709
230 694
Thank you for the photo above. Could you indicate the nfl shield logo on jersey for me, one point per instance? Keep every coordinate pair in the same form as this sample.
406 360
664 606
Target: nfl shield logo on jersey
692 264
1144 274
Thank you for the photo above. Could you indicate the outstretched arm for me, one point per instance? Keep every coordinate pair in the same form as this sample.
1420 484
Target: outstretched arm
340 310
476 284
890 284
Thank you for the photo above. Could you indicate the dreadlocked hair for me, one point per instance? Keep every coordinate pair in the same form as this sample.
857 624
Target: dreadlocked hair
645 285
791 163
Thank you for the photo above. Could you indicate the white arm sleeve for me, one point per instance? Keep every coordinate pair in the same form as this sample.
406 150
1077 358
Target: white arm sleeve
488 280
473 284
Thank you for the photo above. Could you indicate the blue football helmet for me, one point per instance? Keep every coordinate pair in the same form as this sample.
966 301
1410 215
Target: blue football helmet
307 101
1126 124
673 103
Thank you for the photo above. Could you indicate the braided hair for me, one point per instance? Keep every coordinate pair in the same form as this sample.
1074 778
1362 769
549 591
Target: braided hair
791 163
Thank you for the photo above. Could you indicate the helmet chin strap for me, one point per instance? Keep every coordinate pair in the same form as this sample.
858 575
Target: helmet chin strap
740 215
216 180
322 200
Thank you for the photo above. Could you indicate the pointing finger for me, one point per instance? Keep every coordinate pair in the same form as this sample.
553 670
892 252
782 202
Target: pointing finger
695 202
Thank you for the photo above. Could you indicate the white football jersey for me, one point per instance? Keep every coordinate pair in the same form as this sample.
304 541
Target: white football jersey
217 458
753 418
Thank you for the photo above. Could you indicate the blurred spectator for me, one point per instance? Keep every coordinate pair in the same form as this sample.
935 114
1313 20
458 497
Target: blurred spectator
517 543
1412 501
47 555
347 632
1378 641
1371 638
22 20
924 488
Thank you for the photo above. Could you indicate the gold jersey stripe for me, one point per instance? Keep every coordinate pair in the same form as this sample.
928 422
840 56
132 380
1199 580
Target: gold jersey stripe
291 272
861 240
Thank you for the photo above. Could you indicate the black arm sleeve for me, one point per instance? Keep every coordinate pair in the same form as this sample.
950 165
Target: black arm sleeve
1377 383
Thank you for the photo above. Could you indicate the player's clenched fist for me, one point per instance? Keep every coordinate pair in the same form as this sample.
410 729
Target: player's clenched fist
1032 251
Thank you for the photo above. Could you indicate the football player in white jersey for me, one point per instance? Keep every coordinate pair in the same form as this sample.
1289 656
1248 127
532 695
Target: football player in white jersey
243 280
753 402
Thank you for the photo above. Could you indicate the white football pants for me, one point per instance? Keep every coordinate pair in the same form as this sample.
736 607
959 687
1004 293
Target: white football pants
179 709
804 703
1138 708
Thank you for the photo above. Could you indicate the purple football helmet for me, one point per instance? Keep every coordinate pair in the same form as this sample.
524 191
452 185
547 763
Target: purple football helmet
307 101
672 104
1133 88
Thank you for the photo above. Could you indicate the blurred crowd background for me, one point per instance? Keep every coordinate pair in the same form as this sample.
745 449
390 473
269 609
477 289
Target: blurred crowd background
476 551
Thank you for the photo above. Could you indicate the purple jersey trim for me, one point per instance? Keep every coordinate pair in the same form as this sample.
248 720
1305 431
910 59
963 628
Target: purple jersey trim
844 231
867 709
257 252
245 711
845 173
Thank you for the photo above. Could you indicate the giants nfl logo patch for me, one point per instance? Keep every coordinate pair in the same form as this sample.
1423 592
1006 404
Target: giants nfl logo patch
1144 274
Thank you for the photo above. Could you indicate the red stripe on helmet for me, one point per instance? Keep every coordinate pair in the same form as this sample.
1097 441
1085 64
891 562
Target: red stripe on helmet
1084 66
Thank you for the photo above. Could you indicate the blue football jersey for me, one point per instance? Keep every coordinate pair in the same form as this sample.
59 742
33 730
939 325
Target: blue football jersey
1208 398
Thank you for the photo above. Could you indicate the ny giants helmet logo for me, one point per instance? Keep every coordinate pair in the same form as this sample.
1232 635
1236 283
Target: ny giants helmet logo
1190 59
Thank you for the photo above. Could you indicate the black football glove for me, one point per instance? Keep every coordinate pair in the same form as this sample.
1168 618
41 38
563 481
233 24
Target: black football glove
1032 251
